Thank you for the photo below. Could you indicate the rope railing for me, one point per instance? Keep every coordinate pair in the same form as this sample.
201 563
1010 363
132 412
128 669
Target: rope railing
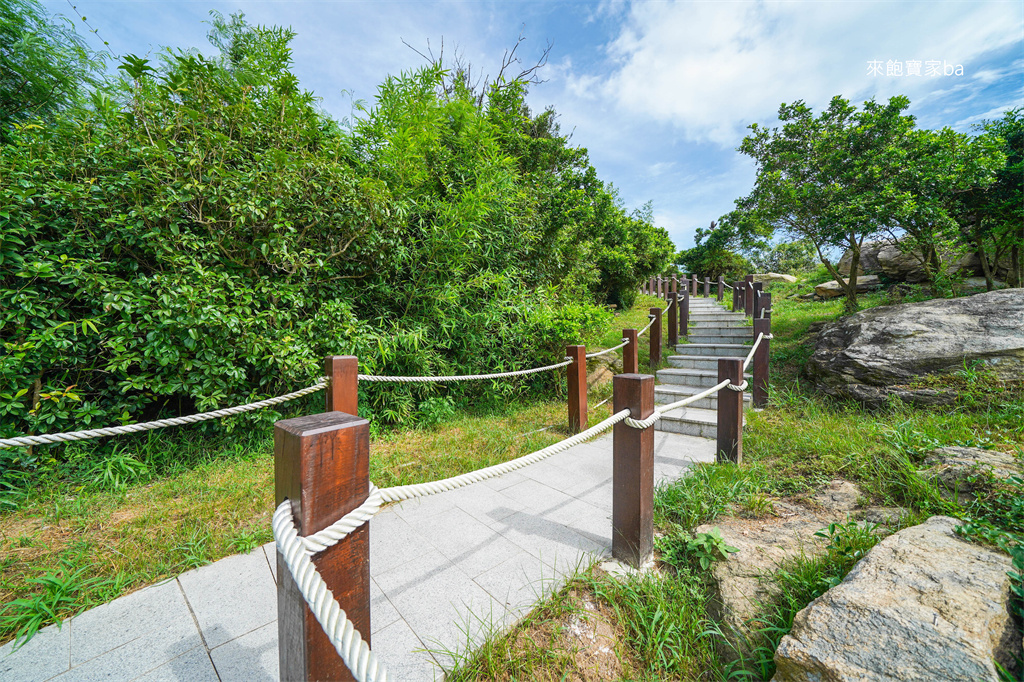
753 349
644 330
653 419
625 342
297 550
51 438
463 377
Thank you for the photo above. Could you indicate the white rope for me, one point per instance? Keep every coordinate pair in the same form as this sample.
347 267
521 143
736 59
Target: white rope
652 420
342 633
727 285
739 388
750 355
601 403
608 350
464 377
406 492
644 330
48 438
765 310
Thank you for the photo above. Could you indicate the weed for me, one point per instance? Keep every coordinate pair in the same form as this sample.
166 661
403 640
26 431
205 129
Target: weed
707 548
193 550
117 471
703 495
244 541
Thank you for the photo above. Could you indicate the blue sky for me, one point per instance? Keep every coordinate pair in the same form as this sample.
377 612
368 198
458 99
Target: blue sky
660 93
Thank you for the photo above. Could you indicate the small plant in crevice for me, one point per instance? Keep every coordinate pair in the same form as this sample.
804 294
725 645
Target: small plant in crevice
193 550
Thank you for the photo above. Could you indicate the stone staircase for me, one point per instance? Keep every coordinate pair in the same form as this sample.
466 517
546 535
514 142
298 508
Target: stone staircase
714 332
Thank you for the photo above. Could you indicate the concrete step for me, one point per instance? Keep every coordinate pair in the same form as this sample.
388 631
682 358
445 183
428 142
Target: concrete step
706 362
722 317
716 349
690 421
717 340
670 393
719 324
690 377
722 331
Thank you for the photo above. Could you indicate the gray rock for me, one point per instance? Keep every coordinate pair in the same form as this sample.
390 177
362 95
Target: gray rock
876 353
886 258
774 277
882 516
601 368
838 497
923 605
954 468
832 289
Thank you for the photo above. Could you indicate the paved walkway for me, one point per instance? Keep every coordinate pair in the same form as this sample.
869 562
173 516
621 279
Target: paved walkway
446 570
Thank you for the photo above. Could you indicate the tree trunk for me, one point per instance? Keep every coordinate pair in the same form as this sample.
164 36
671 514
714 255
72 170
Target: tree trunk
986 269
1016 274
850 287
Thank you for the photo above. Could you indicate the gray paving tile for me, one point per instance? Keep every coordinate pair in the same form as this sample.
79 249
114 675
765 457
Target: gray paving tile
402 652
423 507
535 496
520 582
393 542
137 657
382 611
442 604
231 597
127 618
45 655
191 666
249 658
549 540
486 505
502 482
470 544
552 475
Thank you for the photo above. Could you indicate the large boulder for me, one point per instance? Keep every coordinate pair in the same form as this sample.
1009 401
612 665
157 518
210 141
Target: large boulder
876 353
886 258
831 289
923 605
774 277
960 471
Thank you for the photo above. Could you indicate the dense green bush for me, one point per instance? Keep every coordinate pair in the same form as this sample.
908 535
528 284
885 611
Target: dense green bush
203 234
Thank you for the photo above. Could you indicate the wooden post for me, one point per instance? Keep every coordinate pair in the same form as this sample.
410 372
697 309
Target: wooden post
730 412
684 314
748 300
675 285
694 280
631 352
655 333
321 464
707 287
761 326
721 288
661 287
633 472
673 317
758 295
766 306
577 375
343 391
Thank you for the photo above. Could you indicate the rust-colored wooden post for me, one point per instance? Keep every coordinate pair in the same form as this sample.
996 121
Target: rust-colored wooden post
721 288
762 325
673 317
321 464
707 287
655 336
661 287
577 374
343 390
630 352
633 472
675 284
758 295
748 299
766 306
684 313
730 411
735 296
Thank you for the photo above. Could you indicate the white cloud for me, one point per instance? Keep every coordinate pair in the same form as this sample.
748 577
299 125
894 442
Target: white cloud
710 69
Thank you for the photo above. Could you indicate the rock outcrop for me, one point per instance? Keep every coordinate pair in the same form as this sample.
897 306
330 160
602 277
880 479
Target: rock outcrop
601 369
962 471
741 585
832 289
774 277
885 258
923 605
876 353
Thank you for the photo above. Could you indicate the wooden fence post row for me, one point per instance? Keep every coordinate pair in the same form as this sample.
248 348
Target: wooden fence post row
631 352
721 288
633 471
748 298
321 465
684 314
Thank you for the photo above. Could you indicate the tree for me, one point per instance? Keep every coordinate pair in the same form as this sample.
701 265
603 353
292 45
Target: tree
715 253
991 216
45 66
825 178
788 257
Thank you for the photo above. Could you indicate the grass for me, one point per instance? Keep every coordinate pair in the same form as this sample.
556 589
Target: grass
114 518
